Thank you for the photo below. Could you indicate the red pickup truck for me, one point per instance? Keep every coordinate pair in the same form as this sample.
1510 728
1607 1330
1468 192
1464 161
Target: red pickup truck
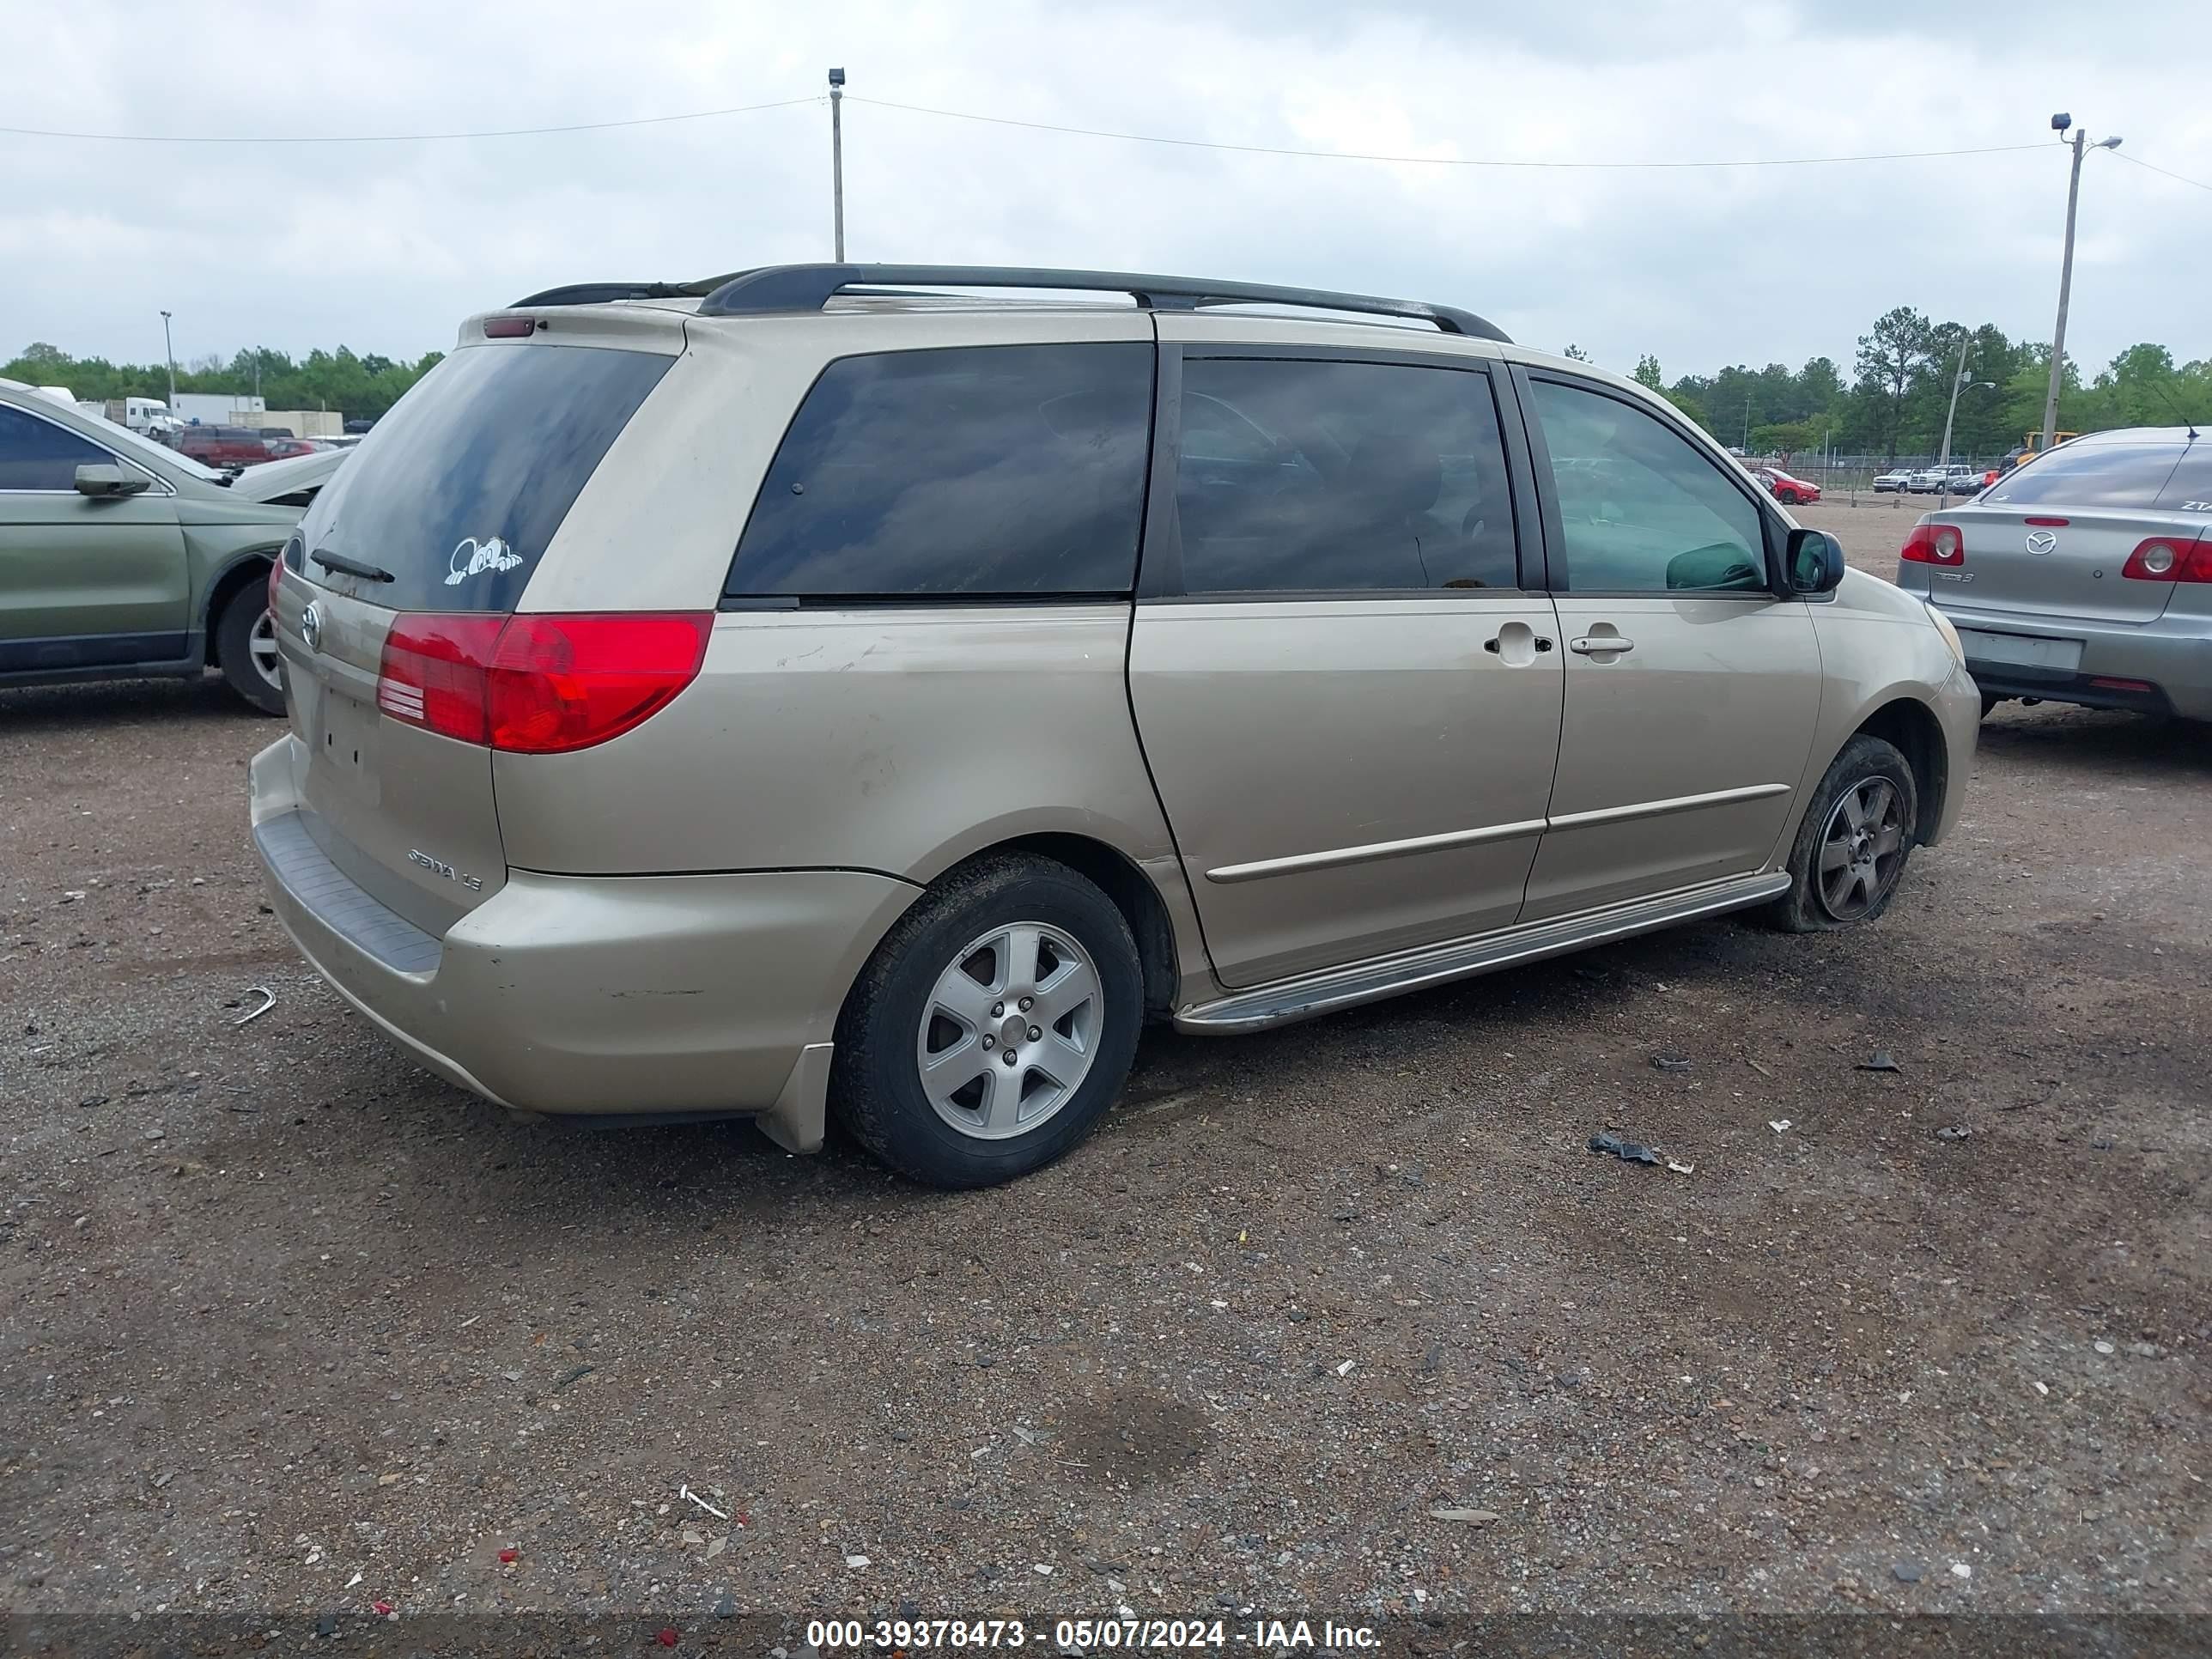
222 446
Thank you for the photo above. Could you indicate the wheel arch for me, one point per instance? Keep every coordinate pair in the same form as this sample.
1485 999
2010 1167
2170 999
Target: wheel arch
1114 873
242 569
1911 726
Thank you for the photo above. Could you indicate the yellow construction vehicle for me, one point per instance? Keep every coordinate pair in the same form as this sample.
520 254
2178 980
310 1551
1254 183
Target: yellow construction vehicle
2030 447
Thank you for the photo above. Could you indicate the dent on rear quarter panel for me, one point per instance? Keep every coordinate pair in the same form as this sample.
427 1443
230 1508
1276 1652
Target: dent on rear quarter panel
898 740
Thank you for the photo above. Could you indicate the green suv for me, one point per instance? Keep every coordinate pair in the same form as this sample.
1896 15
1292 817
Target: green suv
119 558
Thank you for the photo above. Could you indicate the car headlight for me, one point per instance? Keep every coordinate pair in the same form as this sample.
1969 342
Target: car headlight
1950 633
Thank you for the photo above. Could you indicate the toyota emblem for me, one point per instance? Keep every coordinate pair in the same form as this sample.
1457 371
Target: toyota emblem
311 626
2041 541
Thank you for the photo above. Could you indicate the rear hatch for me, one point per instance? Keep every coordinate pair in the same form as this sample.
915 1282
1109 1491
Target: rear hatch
2053 538
409 563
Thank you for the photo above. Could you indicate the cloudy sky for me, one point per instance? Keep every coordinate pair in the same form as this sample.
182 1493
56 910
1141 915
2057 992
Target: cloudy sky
384 246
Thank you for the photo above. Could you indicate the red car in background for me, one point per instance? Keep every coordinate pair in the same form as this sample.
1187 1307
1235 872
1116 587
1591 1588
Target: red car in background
222 446
1790 492
281 448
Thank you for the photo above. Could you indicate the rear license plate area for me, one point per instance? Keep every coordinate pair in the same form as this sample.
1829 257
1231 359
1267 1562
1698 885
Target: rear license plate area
2021 651
344 744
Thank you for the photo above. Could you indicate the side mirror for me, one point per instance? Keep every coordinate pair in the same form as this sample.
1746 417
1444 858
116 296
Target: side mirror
1815 562
104 480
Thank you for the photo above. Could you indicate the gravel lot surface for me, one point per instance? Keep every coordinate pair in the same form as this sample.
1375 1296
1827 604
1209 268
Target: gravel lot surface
288 1324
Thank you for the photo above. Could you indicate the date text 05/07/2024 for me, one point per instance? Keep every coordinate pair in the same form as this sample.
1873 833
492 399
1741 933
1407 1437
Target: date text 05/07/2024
1091 1634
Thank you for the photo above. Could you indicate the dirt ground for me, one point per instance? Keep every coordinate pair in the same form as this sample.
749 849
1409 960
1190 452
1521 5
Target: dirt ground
286 1324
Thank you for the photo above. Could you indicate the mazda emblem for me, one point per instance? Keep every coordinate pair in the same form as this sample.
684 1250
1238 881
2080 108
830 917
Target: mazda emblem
311 626
2041 541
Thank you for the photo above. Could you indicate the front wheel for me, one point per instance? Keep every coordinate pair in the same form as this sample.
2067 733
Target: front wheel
1788 498
246 649
993 1027
1852 846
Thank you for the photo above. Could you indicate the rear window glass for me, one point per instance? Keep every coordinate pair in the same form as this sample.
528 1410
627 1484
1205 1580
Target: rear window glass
965 472
2090 475
459 489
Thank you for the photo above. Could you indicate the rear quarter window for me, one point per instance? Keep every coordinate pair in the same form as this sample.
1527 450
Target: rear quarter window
967 473
458 491
2190 488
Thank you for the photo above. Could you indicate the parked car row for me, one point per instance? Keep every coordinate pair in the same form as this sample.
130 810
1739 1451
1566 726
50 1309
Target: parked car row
225 447
1956 479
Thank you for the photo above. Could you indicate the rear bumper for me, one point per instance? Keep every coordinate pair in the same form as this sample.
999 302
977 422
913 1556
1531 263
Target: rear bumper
636 996
2172 655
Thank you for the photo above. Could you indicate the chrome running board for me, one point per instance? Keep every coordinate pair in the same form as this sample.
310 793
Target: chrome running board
1436 964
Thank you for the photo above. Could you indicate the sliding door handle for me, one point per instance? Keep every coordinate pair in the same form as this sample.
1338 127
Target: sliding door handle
1601 644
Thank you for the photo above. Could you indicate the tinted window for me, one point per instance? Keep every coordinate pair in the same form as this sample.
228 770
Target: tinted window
982 471
36 455
459 491
1642 509
2190 488
1301 476
2090 475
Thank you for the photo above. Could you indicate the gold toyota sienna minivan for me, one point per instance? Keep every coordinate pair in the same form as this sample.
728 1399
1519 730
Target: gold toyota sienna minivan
792 694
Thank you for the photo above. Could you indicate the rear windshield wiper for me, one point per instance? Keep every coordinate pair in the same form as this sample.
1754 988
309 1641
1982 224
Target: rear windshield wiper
351 567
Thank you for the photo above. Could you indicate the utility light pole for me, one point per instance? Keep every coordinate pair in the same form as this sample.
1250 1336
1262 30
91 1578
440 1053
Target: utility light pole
837 157
169 353
1959 381
2059 123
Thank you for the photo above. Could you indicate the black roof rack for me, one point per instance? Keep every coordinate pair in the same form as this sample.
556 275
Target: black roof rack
599 294
809 288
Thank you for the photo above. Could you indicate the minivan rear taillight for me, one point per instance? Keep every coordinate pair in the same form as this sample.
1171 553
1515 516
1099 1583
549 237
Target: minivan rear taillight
2170 559
537 685
1931 544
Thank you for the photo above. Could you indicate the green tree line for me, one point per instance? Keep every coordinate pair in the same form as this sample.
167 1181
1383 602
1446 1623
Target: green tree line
358 386
1893 401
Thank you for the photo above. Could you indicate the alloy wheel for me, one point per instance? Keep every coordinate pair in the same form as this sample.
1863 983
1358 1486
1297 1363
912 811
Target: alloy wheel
261 650
1010 1030
1861 849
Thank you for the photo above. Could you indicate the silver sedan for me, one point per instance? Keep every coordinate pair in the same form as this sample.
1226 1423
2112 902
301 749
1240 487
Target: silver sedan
2084 576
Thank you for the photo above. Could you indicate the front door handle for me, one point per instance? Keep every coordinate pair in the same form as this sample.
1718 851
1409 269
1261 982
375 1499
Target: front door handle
1517 643
1601 644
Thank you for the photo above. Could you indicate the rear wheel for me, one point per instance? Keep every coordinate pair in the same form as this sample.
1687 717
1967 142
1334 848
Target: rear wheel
1851 848
246 649
993 1027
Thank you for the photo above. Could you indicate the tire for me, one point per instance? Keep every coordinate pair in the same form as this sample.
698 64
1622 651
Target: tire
1820 899
1989 701
1788 498
244 617
933 989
